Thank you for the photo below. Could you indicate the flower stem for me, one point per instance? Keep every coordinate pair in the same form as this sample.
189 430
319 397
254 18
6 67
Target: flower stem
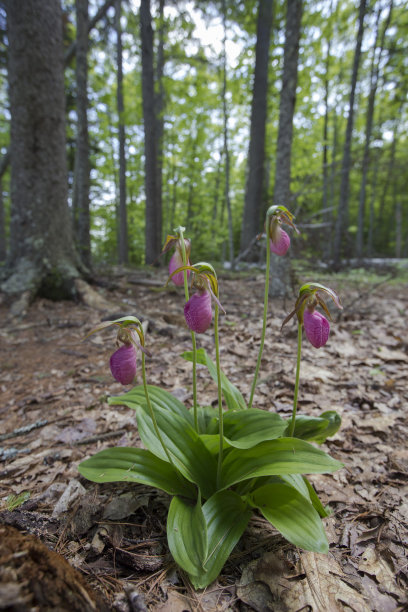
193 338
295 397
150 407
220 412
265 314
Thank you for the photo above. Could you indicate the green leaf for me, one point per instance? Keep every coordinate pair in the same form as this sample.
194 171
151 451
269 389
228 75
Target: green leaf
158 397
275 457
207 419
120 464
187 535
314 498
290 512
232 395
188 452
247 428
225 517
316 429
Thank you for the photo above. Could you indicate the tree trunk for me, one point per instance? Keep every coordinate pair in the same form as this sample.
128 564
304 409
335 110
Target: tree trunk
226 145
153 205
251 221
374 76
3 246
159 110
123 230
281 268
42 257
342 213
287 103
326 216
81 172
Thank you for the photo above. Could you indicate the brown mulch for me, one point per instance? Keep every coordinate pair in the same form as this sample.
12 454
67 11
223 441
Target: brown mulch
54 414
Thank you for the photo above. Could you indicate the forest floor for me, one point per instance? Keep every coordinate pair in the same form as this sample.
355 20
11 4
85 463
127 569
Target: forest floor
55 386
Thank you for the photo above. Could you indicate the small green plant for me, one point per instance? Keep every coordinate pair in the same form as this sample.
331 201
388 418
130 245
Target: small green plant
222 464
15 501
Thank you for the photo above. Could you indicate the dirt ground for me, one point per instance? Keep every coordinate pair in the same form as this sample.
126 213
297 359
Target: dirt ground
54 414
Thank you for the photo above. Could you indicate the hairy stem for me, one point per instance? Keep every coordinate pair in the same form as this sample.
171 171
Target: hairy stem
265 314
193 338
150 407
295 397
220 412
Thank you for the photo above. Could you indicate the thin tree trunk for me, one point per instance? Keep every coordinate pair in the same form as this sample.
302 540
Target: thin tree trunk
381 232
81 170
370 237
374 76
123 254
70 53
159 109
153 215
325 201
226 145
3 246
343 212
280 281
251 221
398 226
287 103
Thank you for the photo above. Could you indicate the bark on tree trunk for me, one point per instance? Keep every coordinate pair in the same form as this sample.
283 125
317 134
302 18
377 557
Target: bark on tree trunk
153 209
226 145
82 168
123 230
251 221
342 213
159 110
3 249
287 103
280 283
42 257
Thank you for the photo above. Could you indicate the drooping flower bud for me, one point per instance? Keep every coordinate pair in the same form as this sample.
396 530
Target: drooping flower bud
176 262
317 327
198 313
280 242
123 364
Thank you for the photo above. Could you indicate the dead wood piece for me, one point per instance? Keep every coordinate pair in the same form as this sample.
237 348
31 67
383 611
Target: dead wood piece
20 431
99 437
38 578
35 523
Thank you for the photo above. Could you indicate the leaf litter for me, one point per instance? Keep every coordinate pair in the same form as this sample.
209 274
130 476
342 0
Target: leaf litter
54 414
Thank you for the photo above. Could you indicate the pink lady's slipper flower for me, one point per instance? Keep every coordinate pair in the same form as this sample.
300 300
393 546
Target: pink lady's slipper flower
317 327
279 241
123 364
198 312
176 260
